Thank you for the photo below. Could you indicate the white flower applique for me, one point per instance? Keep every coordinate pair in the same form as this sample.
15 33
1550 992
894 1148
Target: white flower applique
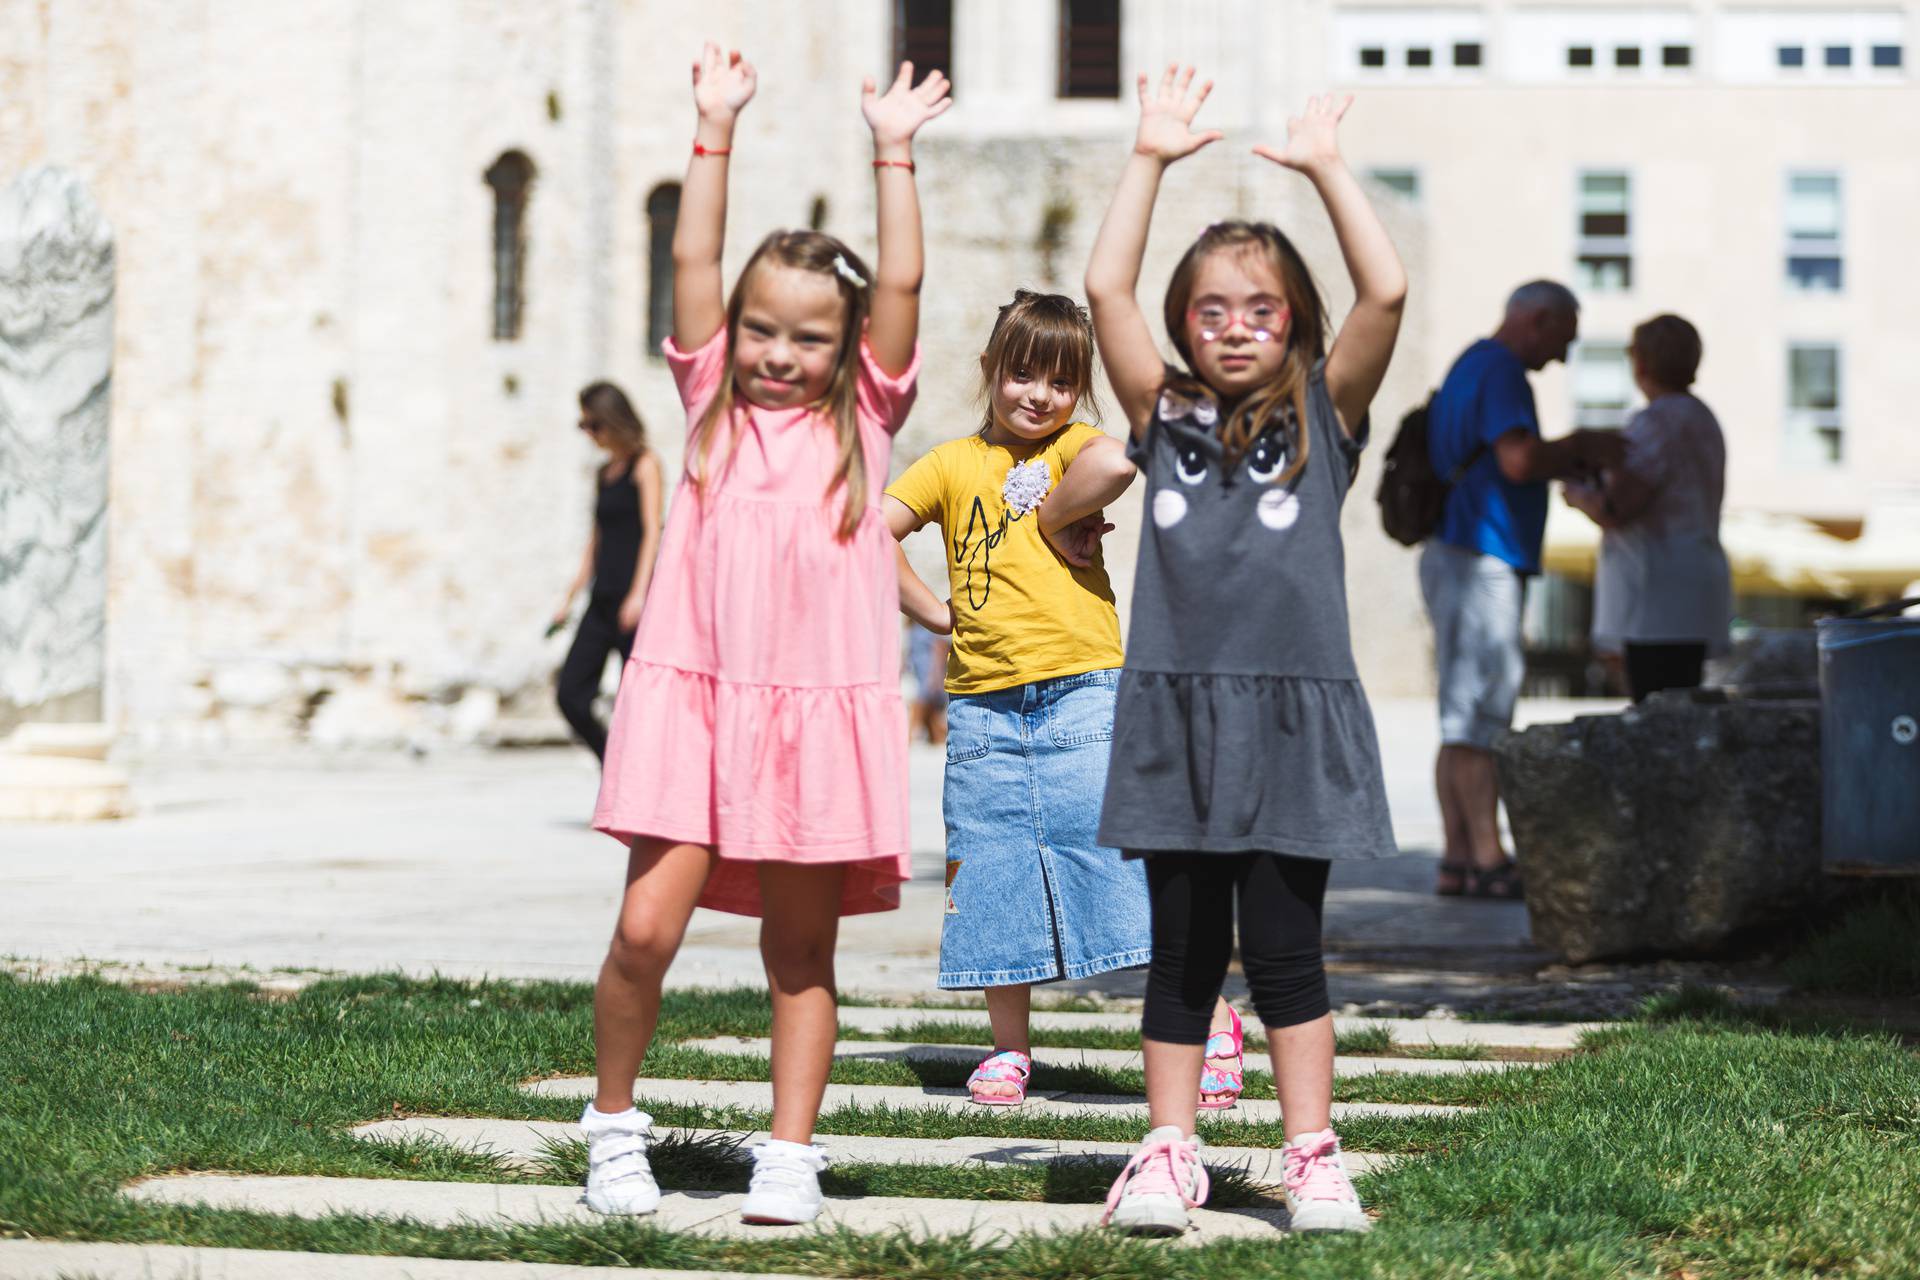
1026 486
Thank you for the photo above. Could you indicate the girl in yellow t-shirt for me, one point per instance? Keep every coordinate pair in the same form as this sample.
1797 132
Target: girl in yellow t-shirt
1032 896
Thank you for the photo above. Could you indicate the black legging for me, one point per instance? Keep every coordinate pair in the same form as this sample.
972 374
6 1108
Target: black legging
1193 895
598 636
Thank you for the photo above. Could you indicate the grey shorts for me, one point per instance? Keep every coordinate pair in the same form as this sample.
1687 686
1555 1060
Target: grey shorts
1475 602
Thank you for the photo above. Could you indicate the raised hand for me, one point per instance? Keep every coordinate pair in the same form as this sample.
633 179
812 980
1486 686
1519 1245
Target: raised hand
897 115
723 82
1166 116
1312 136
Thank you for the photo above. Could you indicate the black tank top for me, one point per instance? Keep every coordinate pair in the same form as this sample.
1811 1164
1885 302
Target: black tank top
616 515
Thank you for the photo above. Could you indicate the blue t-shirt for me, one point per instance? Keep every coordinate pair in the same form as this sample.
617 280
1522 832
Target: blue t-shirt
1486 395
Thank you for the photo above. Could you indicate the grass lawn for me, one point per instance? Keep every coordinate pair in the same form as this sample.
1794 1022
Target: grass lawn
1698 1148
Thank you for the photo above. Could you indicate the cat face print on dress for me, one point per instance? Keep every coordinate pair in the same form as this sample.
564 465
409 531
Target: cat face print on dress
1199 492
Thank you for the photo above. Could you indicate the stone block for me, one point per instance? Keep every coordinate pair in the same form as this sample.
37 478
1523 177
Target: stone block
1668 828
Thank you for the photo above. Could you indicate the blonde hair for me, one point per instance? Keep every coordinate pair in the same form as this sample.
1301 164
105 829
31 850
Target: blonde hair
1043 332
609 409
1285 394
816 252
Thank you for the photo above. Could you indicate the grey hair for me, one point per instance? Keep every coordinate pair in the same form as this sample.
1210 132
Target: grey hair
1542 295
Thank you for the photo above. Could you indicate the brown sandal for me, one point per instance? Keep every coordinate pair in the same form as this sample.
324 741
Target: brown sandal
1501 883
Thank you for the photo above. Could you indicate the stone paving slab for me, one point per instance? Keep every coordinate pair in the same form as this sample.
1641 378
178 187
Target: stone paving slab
1411 1031
757 1095
1119 1059
522 1142
696 1212
67 1260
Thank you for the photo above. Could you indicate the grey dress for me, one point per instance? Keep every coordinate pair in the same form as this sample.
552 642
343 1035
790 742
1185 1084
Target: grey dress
1241 724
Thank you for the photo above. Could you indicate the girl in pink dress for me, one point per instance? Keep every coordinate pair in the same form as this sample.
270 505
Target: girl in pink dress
756 762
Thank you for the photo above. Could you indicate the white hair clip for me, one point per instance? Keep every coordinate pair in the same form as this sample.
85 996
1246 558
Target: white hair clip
846 272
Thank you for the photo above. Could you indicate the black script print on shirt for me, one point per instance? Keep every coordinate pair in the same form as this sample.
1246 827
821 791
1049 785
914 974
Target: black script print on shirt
974 549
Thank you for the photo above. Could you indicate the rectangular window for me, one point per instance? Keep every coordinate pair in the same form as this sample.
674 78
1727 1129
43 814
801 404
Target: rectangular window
1814 429
1089 48
1466 55
1813 232
1792 55
1677 55
1404 181
1580 55
923 35
1604 256
1839 55
1373 56
1419 57
1626 55
1602 381
1888 55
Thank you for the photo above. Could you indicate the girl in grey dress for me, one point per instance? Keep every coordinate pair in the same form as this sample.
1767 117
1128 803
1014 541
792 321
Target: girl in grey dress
1244 756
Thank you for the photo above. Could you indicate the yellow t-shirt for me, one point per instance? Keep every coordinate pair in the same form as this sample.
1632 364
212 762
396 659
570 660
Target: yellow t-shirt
1020 613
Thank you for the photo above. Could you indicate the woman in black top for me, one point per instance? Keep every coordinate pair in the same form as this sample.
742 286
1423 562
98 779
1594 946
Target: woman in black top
619 557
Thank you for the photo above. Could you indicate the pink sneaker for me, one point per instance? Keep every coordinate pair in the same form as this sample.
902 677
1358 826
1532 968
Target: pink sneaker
1320 1195
1163 1180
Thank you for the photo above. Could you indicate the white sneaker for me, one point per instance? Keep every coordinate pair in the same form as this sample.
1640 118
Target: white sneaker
786 1183
1320 1195
619 1179
1163 1180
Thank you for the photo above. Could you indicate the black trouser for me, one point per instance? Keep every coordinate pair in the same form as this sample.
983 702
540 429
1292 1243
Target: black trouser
598 636
1653 667
1193 899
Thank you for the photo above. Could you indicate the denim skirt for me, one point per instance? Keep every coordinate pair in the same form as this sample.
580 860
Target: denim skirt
1032 896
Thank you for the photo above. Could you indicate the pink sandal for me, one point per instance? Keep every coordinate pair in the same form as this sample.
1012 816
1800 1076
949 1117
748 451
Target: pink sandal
1224 1086
1009 1067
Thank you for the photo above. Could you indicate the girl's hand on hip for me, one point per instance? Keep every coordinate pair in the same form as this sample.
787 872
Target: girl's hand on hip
1166 116
896 115
723 82
1313 141
1079 542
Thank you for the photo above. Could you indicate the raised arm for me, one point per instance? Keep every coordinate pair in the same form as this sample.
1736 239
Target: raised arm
894 118
1133 361
1359 357
722 84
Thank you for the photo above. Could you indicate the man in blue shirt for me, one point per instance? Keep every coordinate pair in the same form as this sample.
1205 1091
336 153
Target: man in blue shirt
1473 569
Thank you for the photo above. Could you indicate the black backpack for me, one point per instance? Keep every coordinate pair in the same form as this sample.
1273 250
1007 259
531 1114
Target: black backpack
1412 495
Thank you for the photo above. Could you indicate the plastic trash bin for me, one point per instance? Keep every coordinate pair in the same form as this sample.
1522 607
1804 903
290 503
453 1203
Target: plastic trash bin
1870 741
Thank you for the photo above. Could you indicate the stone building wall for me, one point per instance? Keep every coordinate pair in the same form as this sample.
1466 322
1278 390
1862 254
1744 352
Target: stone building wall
339 508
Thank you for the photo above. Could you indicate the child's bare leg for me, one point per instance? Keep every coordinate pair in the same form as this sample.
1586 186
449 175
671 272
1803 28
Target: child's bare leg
1173 1082
797 938
1303 1074
663 883
1009 1010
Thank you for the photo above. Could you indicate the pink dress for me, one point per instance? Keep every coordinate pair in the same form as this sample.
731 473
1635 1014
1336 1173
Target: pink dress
760 710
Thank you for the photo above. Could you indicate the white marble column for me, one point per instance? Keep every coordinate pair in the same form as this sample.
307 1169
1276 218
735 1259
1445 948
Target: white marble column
56 361
56 357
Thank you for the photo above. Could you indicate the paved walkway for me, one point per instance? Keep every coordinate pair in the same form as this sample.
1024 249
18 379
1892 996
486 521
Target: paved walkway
478 863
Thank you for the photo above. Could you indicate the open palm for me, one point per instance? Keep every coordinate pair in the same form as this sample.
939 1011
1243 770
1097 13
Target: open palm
897 114
1166 115
1312 136
723 82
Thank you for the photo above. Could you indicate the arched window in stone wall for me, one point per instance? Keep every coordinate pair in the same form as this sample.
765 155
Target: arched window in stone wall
663 211
511 177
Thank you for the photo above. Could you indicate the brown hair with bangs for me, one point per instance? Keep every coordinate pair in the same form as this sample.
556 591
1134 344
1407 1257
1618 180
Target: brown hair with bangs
1043 332
1285 396
816 252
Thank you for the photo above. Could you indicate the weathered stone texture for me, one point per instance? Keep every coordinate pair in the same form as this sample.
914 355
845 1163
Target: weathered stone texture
1667 828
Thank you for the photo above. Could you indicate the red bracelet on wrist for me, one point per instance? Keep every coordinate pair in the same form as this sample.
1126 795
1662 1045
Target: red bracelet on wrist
700 150
894 164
